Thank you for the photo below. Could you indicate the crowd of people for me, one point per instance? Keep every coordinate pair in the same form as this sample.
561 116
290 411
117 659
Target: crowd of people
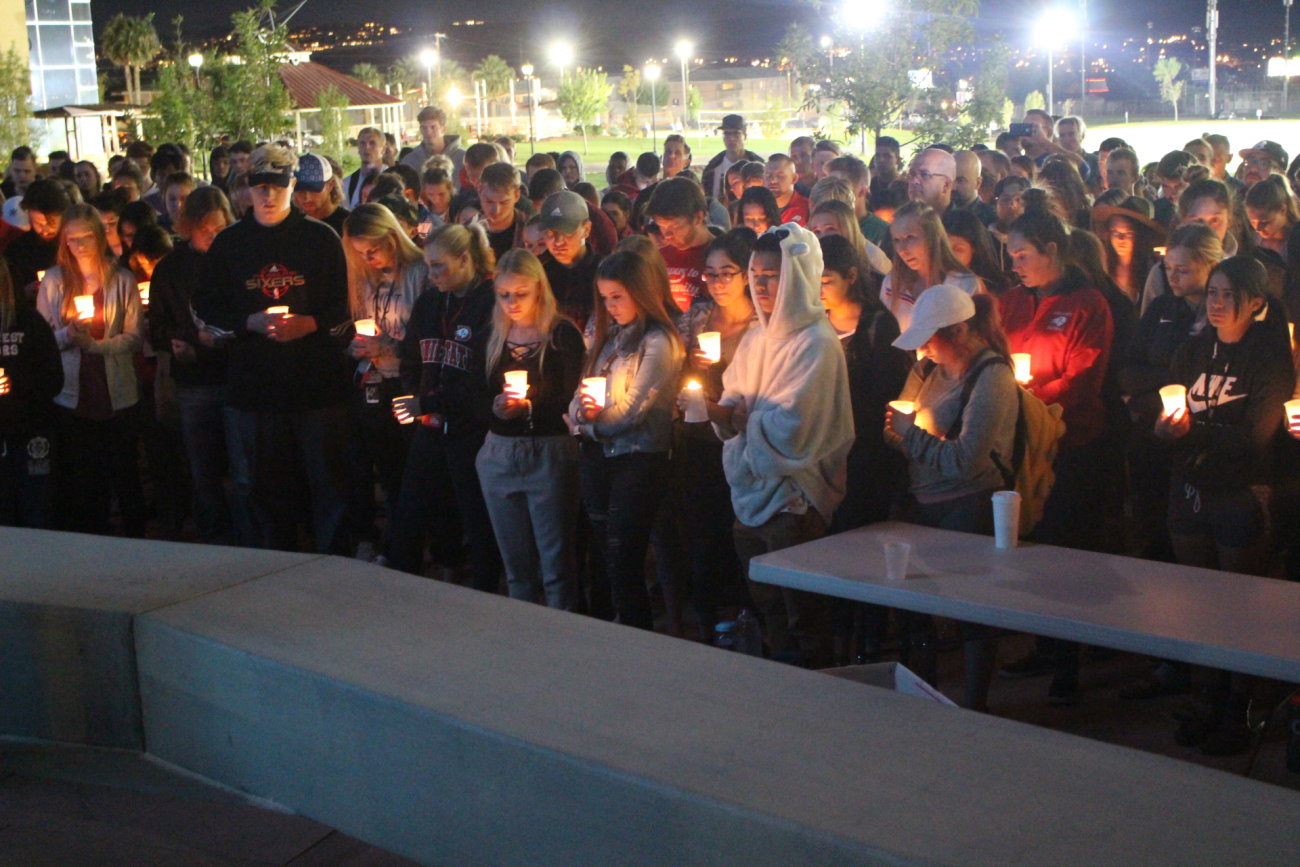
609 401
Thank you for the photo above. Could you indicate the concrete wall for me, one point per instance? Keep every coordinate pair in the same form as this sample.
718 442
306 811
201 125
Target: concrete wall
456 727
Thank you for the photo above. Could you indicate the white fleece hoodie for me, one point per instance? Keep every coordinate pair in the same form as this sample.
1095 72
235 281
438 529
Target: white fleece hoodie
789 373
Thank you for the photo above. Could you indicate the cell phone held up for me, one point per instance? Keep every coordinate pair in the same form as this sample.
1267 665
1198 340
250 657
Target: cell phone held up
1022 130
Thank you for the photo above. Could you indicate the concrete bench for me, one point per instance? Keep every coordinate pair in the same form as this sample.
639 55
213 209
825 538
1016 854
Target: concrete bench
456 727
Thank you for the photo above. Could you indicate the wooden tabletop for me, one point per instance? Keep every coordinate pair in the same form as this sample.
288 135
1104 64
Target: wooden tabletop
1202 616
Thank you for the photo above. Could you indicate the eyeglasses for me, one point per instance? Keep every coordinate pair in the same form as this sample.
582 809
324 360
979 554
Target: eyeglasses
1123 236
923 175
726 275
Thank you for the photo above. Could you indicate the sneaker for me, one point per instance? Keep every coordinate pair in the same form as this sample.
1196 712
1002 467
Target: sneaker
1064 691
1034 664
366 552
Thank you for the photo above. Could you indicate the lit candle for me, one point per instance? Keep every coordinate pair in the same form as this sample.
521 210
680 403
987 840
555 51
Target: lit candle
278 311
367 328
1023 363
144 292
906 407
1290 330
1174 398
85 306
516 384
711 345
594 387
40 275
1159 251
696 411
1291 408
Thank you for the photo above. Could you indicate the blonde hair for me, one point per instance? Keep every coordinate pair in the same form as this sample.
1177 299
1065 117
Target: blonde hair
521 263
272 158
849 228
74 283
832 188
374 222
458 240
942 258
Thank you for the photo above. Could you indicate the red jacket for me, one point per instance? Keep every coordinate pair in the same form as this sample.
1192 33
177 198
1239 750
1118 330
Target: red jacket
1067 330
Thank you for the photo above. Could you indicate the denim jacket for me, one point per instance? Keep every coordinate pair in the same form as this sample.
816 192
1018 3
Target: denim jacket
641 366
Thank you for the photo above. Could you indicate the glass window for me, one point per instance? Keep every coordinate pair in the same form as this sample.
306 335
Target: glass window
56 45
60 87
53 10
80 11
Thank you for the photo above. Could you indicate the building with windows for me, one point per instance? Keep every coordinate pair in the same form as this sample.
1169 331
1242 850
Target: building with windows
61 48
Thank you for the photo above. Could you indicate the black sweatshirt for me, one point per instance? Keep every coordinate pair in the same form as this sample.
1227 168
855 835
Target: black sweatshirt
550 385
1235 393
442 358
1168 324
296 263
175 282
27 255
30 358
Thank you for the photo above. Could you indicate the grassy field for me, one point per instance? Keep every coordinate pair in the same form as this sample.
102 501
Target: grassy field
1151 139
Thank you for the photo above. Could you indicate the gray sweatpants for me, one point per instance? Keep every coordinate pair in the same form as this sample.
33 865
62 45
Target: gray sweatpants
531 488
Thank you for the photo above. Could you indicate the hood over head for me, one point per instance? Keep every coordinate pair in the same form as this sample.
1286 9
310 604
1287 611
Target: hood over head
799 295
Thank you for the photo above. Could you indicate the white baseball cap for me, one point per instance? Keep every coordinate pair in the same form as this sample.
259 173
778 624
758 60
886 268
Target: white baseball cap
15 215
938 307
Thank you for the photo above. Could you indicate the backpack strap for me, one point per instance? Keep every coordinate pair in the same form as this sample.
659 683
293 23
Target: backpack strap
1018 451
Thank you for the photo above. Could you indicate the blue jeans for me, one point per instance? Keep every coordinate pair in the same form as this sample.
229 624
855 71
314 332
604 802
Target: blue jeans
212 447
287 448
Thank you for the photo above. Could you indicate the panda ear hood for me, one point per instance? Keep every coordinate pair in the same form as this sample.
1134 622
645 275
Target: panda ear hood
798 297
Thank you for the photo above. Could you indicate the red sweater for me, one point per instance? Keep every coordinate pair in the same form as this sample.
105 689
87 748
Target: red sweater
796 210
1067 329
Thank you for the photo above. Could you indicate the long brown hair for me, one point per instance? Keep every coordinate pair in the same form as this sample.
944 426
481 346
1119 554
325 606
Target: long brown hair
986 325
74 283
942 258
648 290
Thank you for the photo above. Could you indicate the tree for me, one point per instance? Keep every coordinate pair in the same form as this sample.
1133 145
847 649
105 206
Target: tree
1035 100
629 90
368 74
693 103
16 126
250 99
131 42
581 98
180 108
333 118
1166 73
655 93
496 74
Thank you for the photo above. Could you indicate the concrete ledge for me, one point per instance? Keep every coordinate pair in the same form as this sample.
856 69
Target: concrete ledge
67 608
456 727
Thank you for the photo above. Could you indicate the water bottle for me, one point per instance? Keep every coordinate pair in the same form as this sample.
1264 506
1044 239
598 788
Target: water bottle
1293 734
724 635
749 634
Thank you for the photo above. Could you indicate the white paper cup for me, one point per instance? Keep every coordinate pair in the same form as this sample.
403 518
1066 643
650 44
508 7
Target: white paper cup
696 411
594 386
1023 363
516 384
896 554
1292 409
711 345
367 328
1006 519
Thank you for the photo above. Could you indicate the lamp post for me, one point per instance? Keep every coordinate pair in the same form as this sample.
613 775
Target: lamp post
561 56
527 70
428 57
651 75
1212 34
1051 32
1286 52
1083 67
196 62
684 49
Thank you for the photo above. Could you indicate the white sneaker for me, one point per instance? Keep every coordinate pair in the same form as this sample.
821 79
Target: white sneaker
366 552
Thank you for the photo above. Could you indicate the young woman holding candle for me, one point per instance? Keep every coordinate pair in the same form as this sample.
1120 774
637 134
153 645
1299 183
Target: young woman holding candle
1208 202
966 403
386 273
31 377
627 425
1238 374
723 317
528 465
443 370
922 257
98 340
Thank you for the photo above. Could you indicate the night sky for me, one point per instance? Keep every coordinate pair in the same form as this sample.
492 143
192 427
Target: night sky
718 28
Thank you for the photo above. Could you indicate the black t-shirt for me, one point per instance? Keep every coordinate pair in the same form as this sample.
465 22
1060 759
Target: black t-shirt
28 254
574 285
502 242
551 383
176 281
335 220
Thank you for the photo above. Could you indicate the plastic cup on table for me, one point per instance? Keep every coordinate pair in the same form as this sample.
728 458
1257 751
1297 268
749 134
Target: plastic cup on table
896 556
1006 519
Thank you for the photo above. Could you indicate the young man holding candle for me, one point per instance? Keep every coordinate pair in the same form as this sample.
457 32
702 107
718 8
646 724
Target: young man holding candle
288 376
45 202
787 426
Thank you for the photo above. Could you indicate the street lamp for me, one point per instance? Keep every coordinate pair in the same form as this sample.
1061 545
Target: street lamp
561 56
861 15
684 49
428 57
651 75
1051 32
196 62
527 70
1286 52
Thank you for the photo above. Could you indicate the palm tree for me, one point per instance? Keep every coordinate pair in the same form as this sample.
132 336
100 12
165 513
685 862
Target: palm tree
494 72
131 42
368 74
